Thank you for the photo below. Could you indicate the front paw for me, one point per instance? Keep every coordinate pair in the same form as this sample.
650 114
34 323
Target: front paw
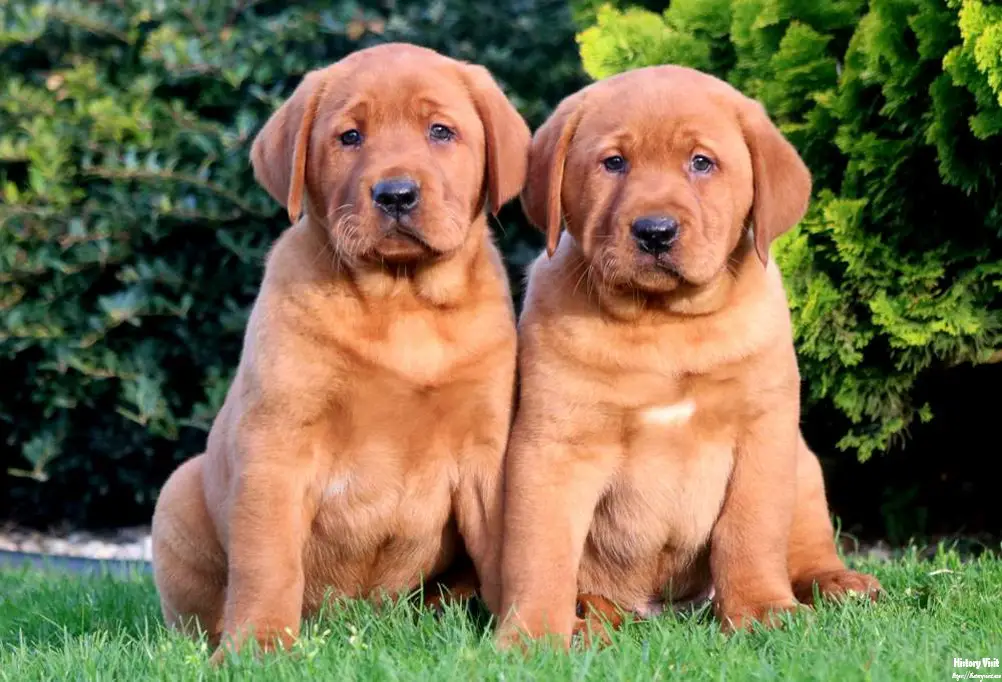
746 616
837 586
510 636
218 657
514 634
232 645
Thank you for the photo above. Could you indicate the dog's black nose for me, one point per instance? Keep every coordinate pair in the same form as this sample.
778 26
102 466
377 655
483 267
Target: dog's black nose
396 196
655 234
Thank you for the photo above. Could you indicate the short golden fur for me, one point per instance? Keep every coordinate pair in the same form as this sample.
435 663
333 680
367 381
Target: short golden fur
656 455
360 445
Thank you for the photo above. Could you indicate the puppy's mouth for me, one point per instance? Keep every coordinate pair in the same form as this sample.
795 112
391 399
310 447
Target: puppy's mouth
662 262
403 242
656 273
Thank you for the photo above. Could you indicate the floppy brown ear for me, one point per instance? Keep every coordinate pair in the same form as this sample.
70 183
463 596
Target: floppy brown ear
547 156
782 181
506 136
278 153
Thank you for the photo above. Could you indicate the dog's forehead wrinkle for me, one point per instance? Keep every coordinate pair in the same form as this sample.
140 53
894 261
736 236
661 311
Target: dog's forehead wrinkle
430 102
352 105
656 141
667 104
416 92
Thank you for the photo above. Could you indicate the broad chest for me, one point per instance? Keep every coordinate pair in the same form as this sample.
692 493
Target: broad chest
389 491
431 349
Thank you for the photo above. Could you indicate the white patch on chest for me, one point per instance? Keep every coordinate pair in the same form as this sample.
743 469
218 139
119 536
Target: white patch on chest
665 415
336 486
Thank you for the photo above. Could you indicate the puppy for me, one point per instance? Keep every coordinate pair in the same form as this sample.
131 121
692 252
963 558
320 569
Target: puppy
656 455
359 448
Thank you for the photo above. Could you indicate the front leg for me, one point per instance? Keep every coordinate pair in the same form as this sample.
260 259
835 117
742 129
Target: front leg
748 550
479 507
479 518
268 523
477 500
814 561
551 490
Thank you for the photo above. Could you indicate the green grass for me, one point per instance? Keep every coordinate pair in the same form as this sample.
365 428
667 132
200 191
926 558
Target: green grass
58 627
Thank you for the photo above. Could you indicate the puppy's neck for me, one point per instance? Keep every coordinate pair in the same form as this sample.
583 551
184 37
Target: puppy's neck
444 282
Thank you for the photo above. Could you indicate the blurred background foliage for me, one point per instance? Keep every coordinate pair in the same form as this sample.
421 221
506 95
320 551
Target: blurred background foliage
132 234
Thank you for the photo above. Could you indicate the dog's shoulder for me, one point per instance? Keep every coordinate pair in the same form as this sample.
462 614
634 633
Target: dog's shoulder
298 257
287 345
556 301
752 331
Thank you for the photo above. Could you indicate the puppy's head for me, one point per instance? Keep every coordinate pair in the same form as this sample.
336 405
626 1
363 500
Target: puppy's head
393 150
658 173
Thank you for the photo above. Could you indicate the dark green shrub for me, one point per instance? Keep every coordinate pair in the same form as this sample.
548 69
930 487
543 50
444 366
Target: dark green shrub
132 233
895 274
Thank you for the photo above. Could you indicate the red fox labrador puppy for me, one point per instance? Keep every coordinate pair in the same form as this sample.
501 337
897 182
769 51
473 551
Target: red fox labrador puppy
359 449
656 456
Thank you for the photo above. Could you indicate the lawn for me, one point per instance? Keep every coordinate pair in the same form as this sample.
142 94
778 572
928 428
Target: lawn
60 627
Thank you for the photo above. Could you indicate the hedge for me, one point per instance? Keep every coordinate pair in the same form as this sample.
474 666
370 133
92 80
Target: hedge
895 274
132 234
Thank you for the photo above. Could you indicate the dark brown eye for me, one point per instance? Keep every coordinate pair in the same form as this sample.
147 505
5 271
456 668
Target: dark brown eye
615 164
701 164
351 138
442 133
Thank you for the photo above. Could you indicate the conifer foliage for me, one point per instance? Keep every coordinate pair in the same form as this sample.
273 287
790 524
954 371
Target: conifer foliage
896 105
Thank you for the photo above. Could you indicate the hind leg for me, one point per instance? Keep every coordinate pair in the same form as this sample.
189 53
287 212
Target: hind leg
596 618
457 583
813 559
189 565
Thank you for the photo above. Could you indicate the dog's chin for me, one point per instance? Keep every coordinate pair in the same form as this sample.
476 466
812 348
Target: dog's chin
405 242
655 283
402 249
654 275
